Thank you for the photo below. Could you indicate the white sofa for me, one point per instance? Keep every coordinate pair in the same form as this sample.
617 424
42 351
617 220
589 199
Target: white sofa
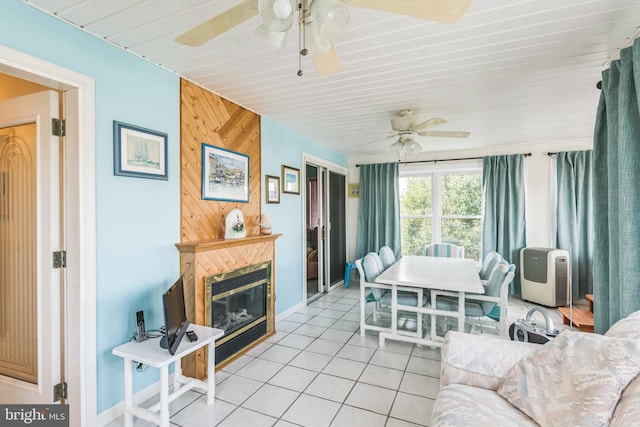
580 379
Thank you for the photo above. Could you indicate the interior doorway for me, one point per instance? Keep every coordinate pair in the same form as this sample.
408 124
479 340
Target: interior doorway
78 208
325 226
31 226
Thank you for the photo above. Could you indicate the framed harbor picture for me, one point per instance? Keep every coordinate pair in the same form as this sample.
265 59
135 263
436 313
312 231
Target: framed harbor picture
139 152
225 174
290 180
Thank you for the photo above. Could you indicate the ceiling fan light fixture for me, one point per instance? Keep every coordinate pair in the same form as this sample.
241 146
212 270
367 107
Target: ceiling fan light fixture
413 147
397 147
313 41
332 18
282 8
273 14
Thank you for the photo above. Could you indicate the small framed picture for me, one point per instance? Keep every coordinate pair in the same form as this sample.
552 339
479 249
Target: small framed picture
272 184
225 175
139 152
354 190
290 180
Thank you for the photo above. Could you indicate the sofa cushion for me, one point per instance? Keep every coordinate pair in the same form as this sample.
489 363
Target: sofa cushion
629 327
480 360
575 379
464 405
627 411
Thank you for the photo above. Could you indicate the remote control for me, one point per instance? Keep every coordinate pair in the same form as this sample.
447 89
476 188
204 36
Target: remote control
192 336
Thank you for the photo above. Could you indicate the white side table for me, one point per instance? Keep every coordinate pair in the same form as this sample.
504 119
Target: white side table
150 353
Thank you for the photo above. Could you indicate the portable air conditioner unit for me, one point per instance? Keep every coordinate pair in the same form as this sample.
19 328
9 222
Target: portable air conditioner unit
545 276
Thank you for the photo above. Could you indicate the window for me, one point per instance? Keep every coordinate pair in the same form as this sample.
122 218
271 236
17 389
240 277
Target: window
441 207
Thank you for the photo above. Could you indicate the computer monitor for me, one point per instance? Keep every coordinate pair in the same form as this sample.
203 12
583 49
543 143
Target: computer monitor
175 316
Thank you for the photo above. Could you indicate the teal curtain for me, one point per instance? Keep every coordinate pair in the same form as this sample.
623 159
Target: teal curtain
616 163
574 216
379 209
503 227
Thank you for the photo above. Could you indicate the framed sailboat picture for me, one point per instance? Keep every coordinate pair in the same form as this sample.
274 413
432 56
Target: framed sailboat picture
139 152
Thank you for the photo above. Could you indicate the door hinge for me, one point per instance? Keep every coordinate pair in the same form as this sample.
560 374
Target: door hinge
60 391
60 259
58 127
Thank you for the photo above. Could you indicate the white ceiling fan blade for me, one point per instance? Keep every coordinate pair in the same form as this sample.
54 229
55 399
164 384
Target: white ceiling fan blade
444 133
447 11
429 123
376 140
327 62
219 24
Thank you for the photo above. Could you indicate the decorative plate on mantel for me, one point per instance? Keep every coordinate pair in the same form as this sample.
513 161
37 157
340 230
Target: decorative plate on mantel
234 225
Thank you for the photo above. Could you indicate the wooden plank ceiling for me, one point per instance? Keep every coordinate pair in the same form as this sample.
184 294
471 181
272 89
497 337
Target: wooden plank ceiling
513 73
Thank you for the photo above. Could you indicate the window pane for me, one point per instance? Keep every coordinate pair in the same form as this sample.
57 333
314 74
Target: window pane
463 232
415 196
416 234
462 195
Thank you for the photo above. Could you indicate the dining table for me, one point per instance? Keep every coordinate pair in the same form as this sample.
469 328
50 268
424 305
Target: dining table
455 276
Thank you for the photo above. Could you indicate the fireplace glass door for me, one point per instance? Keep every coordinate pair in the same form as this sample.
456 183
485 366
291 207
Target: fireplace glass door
239 303
232 312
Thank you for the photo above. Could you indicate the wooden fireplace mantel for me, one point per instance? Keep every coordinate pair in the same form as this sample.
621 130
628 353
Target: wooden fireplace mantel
208 245
201 259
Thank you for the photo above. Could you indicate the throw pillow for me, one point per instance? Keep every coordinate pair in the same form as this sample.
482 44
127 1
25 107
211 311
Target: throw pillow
629 327
574 379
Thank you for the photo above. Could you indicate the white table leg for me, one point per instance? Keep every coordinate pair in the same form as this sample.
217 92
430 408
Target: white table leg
211 373
363 309
128 392
419 315
394 310
177 374
461 312
432 327
164 396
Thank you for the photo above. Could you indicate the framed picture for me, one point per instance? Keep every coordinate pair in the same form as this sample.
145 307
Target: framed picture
290 180
139 152
273 188
354 190
225 175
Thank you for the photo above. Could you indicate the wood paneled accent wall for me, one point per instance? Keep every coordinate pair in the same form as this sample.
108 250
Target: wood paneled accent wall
208 118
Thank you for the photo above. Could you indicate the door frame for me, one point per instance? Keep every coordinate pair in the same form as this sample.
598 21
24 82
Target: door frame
79 205
330 166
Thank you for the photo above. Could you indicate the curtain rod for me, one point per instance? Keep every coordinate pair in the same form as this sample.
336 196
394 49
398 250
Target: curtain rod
444 160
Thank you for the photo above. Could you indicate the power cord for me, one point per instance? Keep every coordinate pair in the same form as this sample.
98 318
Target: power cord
153 333
141 367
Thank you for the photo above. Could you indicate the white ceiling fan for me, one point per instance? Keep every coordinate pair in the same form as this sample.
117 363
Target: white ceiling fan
405 128
320 22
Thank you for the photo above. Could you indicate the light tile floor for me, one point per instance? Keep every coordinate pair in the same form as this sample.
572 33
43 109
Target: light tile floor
317 371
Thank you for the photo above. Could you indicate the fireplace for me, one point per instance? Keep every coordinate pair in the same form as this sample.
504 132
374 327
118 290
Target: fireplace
238 302
226 259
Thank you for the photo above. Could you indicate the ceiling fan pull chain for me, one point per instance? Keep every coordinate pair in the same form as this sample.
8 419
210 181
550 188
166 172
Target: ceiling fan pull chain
302 50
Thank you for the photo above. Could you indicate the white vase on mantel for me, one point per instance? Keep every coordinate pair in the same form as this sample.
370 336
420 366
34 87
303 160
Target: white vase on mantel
234 225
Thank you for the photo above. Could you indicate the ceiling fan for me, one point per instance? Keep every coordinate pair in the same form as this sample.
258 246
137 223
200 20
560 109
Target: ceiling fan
405 128
320 22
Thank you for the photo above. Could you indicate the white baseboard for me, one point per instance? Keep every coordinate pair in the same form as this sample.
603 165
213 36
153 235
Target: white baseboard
117 410
289 311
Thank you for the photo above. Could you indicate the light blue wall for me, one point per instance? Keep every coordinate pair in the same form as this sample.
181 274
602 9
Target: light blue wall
137 220
280 147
